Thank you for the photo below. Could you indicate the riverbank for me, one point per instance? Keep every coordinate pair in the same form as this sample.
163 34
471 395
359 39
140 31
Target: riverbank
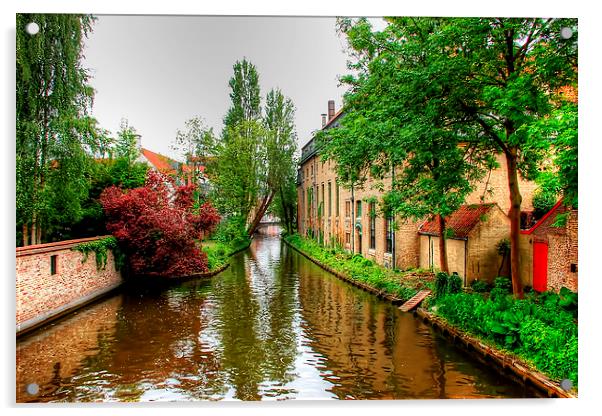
394 286
218 255
373 278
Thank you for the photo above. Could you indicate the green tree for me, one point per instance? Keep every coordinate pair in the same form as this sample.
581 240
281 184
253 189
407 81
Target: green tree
280 147
127 143
53 128
198 144
240 169
255 158
491 78
244 95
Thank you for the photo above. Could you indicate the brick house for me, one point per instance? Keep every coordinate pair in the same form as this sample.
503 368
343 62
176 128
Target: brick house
336 214
549 252
474 231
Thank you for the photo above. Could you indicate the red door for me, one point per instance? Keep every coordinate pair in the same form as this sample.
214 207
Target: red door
540 266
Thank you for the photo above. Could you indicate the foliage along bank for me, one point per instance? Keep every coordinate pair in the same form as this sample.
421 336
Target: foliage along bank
229 238
541 329
403 285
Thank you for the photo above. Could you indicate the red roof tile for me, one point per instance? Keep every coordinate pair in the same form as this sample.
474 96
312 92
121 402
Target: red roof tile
461 222
160 162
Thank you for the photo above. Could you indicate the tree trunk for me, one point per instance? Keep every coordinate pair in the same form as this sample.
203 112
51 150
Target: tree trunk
260 212
514 214
284 211
25 235
33 230
442 246
291 215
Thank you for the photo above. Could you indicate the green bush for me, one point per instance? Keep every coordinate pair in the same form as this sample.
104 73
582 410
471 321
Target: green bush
479 286
454 284
356 267
441 279
537 328
446 284
502 286
543 202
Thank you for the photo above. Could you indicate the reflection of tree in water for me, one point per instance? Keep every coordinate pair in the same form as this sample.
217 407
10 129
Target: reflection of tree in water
255 311
281 341
237 334
369 349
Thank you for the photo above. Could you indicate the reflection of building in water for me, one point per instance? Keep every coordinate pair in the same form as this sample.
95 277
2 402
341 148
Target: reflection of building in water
59 352
372 350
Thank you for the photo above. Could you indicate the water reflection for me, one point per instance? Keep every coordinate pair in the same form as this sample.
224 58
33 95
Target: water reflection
272 326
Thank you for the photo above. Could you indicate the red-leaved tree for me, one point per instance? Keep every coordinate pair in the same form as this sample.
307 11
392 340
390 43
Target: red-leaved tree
157 226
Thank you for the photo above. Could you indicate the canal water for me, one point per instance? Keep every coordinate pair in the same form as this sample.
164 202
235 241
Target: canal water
272 326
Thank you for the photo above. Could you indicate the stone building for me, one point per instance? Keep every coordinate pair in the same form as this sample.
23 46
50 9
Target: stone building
335 214
476 230
549 252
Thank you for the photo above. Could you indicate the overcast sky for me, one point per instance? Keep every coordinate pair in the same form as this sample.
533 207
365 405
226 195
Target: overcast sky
159 71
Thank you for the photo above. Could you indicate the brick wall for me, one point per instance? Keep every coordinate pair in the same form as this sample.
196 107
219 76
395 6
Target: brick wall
494 188
483 259
562 249
42 295
315 173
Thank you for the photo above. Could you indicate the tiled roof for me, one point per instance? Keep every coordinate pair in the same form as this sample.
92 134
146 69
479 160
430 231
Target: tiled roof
461 222
160 162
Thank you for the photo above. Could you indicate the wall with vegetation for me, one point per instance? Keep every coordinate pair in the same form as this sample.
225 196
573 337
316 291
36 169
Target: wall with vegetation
78 278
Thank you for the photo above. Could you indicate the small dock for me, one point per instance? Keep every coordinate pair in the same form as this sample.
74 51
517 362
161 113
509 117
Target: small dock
415 301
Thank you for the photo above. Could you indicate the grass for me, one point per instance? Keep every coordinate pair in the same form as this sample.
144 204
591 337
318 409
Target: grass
401 284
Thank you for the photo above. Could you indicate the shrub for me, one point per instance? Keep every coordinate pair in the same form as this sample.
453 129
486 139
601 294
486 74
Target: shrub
441 279
537 328
356 267
479 286
447 284
156 226
454 283
542 203
501 287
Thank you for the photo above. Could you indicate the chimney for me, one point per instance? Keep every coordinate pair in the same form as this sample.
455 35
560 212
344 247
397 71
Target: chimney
323 119
330 109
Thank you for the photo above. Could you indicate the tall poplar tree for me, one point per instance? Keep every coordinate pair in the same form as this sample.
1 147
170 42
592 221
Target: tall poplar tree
53 128
281 144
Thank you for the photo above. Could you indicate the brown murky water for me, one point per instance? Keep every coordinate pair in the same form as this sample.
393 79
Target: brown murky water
272 326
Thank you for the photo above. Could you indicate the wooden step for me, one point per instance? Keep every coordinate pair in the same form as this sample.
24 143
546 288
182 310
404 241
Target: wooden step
415 301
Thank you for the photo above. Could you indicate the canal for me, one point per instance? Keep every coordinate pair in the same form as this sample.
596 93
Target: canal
272 326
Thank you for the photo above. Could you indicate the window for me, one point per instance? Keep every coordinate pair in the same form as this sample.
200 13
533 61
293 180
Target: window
309 195
337 200
323 199
347 209
389 234
53 262
372 225
358 209
347 238
329 199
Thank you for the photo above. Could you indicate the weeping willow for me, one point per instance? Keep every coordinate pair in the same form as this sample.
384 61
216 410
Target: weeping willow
54 131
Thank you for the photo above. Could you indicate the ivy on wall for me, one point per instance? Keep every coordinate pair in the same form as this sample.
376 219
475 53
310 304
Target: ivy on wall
100 248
